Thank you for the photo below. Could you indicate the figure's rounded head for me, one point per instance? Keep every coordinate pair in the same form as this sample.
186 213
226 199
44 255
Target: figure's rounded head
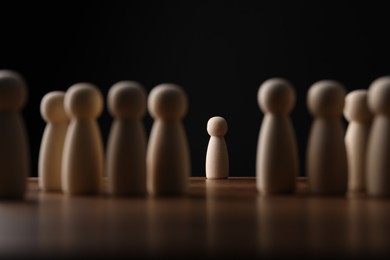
276 96
356 107
168 102
83 100
127 99
217 126
13 90
52 107
325 98
379 96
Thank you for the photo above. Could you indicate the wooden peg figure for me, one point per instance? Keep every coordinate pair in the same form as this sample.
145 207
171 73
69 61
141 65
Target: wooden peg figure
359 117
126 149
14 148
82 163
277 154
168 156
378 152
217 159
52 144
326 158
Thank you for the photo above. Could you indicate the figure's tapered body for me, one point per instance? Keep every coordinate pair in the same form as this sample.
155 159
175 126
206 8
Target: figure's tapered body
217 158
168 159
126 158
14 158
326 159
50 157
378 154
277 155
356 139
83 158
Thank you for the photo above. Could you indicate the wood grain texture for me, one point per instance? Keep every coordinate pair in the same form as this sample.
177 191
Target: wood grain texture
217 218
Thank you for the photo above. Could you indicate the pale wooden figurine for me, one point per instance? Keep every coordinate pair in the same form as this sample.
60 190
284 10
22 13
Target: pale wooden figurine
52 143
359 117
83 155
217 157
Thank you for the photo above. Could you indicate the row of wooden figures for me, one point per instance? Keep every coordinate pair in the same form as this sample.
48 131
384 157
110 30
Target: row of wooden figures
337 161
72 159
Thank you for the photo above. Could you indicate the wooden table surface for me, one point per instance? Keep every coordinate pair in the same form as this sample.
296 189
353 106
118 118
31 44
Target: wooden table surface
218 218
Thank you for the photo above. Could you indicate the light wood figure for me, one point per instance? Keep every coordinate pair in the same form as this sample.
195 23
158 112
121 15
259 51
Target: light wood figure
168 157
52 144
82 163
14 148
378 152
326 159
126 149
277 155
217 157
359 117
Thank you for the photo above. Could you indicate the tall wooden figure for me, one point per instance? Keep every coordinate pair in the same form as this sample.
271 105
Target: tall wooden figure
126 148
378 152
82 163
52 144
277 155
168 157
326 158
14 148
359 117
217 157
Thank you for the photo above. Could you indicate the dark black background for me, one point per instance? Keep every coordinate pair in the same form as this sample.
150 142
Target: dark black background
218 51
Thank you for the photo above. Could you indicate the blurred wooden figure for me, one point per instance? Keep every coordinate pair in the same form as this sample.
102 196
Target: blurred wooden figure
83 155
126 149
326 159
14 148
277 155
52 144
359 117
168 156
378 152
